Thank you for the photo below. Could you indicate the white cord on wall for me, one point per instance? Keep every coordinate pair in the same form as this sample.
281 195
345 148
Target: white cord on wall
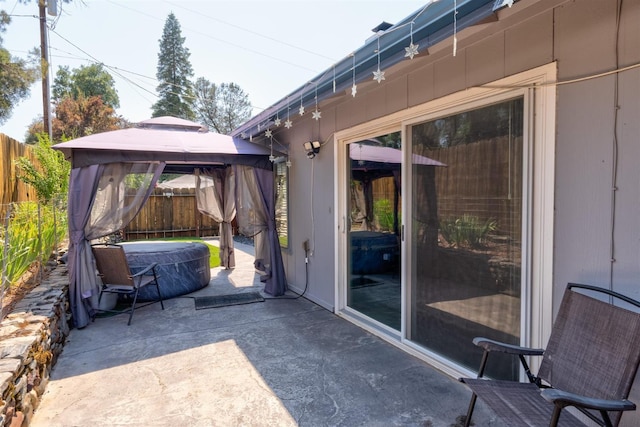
313 228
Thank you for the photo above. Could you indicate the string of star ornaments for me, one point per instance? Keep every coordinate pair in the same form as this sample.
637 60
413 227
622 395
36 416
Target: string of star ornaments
411 51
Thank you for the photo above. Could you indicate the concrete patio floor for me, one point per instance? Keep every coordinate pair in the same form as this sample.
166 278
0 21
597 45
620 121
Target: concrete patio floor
282 362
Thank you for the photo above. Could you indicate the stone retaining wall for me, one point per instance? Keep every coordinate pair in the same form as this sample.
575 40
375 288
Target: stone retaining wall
31 339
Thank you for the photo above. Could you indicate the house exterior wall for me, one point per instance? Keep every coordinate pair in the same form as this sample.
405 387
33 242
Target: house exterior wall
580 38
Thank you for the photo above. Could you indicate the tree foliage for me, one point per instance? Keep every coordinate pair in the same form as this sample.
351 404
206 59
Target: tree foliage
174 71
85 99
50 176
222 108
16 75
471 126
88 81
75 118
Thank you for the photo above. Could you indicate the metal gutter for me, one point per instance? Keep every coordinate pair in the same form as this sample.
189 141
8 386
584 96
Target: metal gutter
431 25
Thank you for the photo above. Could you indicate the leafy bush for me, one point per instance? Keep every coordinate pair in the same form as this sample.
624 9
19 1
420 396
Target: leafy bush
50 175
467 230
383 214
24 243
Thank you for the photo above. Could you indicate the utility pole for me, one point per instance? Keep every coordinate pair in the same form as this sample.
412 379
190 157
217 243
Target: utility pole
44 68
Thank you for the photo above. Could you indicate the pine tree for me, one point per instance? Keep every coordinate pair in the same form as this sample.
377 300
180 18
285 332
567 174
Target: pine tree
174 71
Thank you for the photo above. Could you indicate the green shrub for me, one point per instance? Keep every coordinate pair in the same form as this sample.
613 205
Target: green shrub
383 214
467 230
24 243
49 177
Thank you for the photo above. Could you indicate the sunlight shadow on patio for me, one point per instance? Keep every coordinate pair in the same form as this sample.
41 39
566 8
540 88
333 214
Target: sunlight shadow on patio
170 390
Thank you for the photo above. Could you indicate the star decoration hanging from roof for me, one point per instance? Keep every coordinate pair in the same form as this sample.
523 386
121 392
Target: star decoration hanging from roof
378 75
354 90
277 122
268 133
411 51
301 110
316 115
288 124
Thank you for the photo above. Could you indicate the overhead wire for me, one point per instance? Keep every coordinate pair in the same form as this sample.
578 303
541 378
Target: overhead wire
97 61
118 71
255 33
239 46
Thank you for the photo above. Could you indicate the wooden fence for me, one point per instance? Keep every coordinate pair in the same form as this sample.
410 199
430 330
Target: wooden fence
477 181
170 213
12 189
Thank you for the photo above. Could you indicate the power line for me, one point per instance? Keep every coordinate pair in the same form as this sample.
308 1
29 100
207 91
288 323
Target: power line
250 31
97 61
239 46
117 71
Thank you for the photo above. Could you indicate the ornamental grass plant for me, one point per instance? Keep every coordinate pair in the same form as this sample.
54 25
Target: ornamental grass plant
30 234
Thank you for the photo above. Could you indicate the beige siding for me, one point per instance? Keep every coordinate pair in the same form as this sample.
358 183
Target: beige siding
529 44
486 61
420 85
585 37
449 75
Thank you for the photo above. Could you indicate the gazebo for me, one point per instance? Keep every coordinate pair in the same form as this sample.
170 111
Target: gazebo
234 179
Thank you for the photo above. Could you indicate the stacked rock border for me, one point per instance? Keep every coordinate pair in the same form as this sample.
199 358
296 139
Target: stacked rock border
32 337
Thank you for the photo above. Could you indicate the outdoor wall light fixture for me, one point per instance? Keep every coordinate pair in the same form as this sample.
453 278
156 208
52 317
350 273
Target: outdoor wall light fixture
312 148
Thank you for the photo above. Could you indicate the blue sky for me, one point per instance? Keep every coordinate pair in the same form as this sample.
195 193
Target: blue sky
269 48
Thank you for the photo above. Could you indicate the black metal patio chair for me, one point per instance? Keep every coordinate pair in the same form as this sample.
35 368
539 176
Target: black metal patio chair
116 276
590 363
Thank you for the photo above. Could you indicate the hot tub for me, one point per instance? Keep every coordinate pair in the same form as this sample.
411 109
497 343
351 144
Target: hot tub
373 252
183 266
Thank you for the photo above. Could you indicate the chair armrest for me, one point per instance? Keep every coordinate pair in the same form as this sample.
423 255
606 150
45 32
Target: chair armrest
491 345
146 270
564 398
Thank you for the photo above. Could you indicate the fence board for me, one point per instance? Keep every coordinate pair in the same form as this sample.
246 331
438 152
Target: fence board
12 189
479 180
170 213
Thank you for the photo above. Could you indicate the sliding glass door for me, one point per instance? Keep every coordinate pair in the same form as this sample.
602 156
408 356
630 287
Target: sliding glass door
373 237
445 223
466 233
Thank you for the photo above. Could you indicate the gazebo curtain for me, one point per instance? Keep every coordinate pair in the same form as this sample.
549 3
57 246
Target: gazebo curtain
255 205
215 197
362 194
98 206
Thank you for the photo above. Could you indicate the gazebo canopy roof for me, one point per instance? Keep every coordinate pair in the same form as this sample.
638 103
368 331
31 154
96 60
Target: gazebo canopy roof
180 143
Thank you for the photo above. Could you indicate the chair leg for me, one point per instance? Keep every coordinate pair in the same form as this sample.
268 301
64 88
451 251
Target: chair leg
158 288
472 404
133 306
555 416
160 296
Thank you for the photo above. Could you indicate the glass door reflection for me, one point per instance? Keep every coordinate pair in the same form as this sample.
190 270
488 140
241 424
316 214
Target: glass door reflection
374 167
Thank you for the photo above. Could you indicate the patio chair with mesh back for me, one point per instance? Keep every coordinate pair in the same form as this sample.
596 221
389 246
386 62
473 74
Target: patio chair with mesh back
590 363
116 276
